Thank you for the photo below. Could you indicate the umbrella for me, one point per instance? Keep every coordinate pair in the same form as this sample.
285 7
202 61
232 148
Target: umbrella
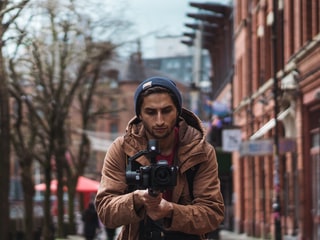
84 185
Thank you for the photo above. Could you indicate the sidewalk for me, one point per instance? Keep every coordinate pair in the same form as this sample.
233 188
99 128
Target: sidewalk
227 235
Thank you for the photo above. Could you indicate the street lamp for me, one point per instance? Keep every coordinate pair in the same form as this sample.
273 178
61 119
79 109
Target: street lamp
276 206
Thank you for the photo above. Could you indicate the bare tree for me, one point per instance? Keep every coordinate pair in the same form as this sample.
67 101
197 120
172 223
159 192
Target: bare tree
99 53
57 63
30 135
9 11
27 137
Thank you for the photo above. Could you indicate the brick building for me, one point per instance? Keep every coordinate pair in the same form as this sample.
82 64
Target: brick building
284 43
213 31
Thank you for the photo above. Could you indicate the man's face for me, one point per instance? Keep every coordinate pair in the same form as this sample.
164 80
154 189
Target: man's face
159 115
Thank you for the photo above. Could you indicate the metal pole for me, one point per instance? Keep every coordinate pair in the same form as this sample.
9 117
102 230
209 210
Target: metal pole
197 72
276 178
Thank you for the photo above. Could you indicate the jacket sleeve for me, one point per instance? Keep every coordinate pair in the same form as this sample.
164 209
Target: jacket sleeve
207 209
114 206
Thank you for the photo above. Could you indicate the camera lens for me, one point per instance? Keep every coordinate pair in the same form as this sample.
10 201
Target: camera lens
162 175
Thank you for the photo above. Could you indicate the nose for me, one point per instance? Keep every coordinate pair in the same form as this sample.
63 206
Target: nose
159 118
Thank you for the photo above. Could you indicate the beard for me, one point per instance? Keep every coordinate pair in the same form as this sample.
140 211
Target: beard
152 134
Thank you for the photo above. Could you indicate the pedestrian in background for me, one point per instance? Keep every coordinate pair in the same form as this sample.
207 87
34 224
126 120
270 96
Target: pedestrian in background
110 233
91 222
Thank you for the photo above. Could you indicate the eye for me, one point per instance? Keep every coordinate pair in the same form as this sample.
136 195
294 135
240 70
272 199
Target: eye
151 112
167 110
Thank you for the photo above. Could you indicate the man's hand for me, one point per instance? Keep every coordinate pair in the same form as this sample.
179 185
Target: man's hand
163 210
142 198
156 207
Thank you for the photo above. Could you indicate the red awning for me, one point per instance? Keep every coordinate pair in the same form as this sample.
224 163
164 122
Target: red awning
84 185
87 185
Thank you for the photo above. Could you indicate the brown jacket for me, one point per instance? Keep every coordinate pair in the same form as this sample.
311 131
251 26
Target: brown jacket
198 216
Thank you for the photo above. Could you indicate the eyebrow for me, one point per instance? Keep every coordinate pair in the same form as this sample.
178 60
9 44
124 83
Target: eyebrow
164 108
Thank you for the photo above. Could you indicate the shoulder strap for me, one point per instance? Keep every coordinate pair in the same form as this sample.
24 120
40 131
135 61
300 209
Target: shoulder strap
191 172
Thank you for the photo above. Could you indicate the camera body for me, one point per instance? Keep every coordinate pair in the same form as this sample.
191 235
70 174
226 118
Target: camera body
157 177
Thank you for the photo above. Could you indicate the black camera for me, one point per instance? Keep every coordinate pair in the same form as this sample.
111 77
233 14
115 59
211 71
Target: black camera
157 177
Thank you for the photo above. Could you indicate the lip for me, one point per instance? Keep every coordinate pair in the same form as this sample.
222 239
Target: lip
159 129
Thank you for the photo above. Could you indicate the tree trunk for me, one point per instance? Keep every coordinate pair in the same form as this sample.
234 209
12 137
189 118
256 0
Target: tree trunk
60 230
71 211
5 151
28 190
48 226
60 152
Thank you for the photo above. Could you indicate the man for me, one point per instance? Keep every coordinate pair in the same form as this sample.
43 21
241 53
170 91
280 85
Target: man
187 211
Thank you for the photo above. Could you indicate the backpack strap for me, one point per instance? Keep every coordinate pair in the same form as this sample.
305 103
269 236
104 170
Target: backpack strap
191 172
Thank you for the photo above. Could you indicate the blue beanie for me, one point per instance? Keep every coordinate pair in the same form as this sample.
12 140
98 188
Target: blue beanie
160 82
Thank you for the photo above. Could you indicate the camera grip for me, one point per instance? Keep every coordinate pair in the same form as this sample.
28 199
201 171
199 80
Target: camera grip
153 192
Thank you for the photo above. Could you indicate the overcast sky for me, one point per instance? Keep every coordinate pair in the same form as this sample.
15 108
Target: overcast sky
160 17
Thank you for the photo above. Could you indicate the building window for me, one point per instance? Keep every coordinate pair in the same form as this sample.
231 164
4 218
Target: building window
113 107
316 139
114 130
